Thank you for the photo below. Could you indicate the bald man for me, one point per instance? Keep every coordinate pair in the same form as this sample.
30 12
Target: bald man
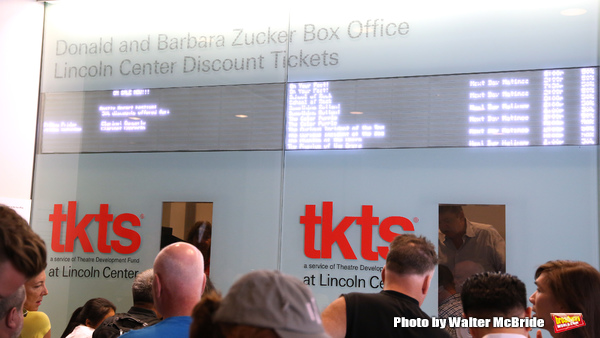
178 284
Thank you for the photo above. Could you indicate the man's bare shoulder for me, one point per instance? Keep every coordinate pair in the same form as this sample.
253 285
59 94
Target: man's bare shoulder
334 318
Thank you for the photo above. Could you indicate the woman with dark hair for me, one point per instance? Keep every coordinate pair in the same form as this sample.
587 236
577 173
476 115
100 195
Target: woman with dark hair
87 318
200 235
568 287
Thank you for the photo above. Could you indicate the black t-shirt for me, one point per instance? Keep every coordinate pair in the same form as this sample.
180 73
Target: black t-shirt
372 315
136 318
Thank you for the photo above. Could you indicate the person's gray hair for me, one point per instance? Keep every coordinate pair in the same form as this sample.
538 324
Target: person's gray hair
142 287
14 300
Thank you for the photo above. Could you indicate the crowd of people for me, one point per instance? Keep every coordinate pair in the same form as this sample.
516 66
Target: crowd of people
172 298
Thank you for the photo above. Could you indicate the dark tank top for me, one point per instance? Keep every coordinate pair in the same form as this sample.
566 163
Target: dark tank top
372 315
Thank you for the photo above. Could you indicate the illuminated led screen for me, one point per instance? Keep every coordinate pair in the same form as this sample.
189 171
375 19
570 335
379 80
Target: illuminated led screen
169 119
528 108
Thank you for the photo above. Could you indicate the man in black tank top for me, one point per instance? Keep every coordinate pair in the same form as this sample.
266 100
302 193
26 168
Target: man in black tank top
395 311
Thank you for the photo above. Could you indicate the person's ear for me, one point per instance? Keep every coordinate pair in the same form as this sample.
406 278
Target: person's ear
383 275
426 283
528 313
13 318
156 287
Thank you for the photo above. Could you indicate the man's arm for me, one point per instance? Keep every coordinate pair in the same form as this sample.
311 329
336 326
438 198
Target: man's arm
500 252
334 318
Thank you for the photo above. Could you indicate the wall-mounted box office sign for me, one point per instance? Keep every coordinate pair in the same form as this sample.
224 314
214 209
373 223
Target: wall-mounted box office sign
195 44
142 59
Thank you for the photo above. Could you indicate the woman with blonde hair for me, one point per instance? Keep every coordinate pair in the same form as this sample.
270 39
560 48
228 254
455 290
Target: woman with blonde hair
36 324
568 287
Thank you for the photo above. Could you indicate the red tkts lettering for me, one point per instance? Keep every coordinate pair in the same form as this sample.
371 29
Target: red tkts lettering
77 230
331 235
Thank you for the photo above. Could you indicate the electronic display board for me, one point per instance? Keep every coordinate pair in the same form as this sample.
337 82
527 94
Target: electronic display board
525 108
528 108
168 119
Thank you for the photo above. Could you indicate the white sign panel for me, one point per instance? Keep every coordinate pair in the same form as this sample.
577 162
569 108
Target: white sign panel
190 44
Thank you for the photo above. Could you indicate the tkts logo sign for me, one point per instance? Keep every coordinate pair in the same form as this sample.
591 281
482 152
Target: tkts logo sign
337 234
77 229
